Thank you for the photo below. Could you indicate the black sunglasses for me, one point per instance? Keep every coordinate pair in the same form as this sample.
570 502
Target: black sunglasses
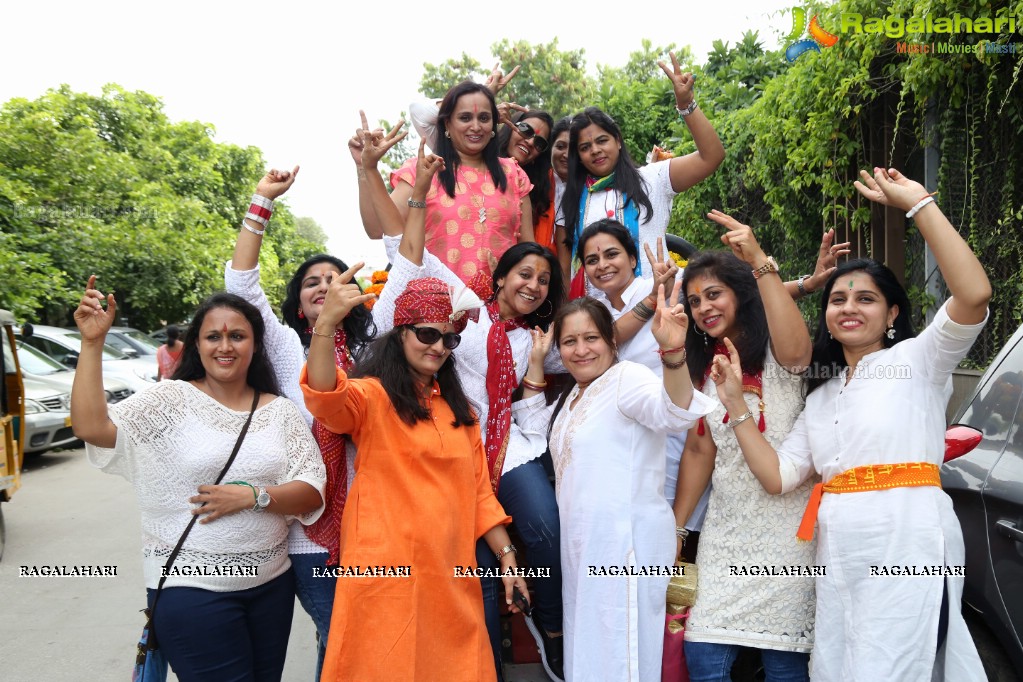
430 336
527 132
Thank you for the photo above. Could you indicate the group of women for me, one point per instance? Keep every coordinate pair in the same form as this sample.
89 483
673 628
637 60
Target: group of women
414 434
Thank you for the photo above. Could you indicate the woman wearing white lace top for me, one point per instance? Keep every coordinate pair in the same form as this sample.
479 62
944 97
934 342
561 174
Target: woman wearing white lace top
312 548
740 295
873 428
225 610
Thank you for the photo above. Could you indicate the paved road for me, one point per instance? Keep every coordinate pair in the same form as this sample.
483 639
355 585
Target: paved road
85 629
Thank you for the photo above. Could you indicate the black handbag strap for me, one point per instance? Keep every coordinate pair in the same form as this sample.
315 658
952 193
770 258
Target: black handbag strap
188 528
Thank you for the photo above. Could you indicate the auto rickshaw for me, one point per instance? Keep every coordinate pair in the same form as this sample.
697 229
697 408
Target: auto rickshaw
12 419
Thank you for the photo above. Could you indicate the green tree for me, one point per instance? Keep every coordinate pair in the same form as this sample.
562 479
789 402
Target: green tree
109 185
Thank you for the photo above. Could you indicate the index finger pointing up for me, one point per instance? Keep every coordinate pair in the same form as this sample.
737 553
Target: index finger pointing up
365 121
348 274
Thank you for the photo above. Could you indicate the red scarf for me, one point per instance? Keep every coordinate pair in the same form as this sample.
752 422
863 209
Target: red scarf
326 530
501 383
751 383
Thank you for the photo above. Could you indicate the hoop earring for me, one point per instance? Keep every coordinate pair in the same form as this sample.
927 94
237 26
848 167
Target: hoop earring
549 312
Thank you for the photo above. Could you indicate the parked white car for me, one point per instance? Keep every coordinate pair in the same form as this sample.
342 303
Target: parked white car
64 345
38 364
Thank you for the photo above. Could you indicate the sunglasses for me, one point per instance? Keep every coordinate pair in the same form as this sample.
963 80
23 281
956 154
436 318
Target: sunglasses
527 132
429 336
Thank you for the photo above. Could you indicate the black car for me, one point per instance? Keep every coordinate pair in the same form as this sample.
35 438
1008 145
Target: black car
986 487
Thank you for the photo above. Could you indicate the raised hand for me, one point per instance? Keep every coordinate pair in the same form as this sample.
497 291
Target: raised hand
739 239
427 165
664 269
276 182
496 82
343 296
670 320
726 373
92 320
541 346
505 109
682 82
827 261
376 143
355 142
891 188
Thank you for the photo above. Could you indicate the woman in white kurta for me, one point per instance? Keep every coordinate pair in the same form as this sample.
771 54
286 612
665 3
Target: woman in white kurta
876 405
607 442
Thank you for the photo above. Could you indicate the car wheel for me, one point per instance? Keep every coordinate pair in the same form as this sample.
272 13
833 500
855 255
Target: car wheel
996 662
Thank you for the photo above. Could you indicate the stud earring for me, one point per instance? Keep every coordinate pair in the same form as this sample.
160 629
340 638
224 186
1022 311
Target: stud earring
890 333
447 134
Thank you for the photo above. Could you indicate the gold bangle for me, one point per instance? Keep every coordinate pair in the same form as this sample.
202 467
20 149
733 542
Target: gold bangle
533 385
326 336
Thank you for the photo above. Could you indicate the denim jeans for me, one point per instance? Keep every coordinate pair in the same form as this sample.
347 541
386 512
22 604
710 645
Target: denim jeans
527 496
316 595
710 662
227 636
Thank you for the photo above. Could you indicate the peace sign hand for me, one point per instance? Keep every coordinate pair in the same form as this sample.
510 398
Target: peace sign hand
726 373
827 261
670 321
355 143
343 296
275 183
891 188
682 82
739 239
375 143
664 269
495 82
92 321
427 165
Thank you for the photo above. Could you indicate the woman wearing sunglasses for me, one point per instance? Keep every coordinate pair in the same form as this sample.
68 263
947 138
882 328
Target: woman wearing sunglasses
478 201
420 499
603 181
527 290
525 137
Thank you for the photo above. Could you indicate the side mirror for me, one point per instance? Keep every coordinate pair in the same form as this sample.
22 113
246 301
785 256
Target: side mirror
959 440
71 359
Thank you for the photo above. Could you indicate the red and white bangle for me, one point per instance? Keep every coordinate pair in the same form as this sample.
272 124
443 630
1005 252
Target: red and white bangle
260 210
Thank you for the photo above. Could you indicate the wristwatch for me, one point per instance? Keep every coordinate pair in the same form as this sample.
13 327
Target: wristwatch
770 266
800 287
262 500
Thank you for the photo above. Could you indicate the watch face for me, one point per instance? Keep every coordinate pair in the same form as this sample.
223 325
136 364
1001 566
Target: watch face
263 500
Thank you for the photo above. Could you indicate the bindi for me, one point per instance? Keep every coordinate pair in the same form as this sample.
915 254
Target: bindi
850 285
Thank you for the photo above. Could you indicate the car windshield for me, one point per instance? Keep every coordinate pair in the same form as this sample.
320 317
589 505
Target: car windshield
35 361
109 352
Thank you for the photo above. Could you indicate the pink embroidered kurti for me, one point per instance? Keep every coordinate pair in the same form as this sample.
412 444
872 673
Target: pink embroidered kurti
454 231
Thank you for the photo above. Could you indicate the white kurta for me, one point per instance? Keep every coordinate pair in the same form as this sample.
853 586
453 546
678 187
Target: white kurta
609 458
642 348
892 411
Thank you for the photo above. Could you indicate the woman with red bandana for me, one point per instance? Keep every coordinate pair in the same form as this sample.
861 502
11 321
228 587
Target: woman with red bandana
420 499
524 292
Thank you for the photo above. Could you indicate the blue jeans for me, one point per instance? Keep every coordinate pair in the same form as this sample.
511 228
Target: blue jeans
316 595
710 662
528 497
226 636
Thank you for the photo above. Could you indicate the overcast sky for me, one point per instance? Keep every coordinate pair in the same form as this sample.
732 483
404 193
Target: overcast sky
290 78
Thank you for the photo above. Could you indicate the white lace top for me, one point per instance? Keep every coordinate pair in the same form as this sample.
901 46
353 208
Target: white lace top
171 439
748 532
471 354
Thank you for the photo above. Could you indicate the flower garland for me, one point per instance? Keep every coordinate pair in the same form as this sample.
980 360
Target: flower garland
378 280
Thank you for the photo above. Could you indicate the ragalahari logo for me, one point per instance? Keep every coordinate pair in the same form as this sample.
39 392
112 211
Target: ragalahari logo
818 36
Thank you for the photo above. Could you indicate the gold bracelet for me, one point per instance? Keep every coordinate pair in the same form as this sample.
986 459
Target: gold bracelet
326 336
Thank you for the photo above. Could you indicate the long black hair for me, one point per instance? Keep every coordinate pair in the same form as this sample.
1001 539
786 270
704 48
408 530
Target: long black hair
539 169
828 359
542 316
601 317
385 360
358 325
750 316
260 375
446 150
627 177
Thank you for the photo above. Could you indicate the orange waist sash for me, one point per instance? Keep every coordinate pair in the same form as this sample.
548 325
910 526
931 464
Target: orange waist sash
864 478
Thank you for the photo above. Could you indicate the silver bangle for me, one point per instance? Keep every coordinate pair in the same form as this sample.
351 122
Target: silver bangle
732 423
682 113
258 233
507 549
416 204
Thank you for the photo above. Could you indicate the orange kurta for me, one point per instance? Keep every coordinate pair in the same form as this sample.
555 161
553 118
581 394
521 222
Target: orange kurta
420 498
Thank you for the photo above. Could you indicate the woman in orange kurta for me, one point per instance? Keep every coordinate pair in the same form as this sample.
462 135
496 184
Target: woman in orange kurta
420 498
